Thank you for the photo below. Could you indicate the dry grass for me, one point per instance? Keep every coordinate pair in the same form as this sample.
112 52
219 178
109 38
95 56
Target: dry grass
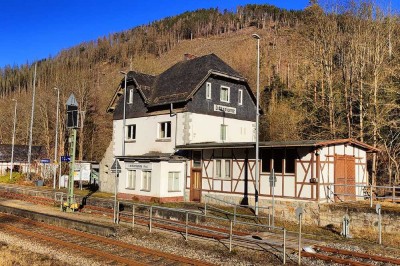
13 256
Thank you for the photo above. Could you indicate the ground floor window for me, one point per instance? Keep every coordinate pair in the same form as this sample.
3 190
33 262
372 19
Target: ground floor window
173 181
222 169
131 179
146 180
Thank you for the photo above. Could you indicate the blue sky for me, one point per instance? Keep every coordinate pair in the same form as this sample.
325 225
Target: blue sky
35 29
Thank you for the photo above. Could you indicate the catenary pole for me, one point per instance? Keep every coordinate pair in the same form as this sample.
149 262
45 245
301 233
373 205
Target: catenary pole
56 144
31 125
13 138
257 37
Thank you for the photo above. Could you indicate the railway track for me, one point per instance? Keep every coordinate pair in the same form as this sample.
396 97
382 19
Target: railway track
347 257
94 247
323 253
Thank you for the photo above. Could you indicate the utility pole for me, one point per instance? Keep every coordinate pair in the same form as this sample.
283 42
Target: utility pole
13 138
56 145
257 37
31 126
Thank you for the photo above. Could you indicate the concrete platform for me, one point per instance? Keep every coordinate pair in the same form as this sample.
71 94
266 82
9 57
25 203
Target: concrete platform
53 215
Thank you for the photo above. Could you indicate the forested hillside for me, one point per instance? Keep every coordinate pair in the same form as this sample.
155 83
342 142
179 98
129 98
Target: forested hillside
325 73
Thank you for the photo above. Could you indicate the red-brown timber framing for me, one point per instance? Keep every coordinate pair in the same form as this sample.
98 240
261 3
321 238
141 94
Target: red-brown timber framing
314 167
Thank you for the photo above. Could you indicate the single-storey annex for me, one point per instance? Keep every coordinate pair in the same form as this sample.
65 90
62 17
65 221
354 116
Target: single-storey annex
323 171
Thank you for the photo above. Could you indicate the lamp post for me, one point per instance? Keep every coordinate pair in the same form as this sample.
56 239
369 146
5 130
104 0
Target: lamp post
13 138
257 37
124 115
56 145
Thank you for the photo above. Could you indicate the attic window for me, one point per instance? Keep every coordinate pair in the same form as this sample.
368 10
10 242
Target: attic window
130 98
208 91
240 97
224 94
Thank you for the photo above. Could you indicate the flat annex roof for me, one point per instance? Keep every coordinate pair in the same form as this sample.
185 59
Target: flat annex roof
277 144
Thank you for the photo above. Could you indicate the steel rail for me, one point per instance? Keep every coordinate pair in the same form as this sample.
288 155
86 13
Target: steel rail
172 257
334 259
72 246
359 255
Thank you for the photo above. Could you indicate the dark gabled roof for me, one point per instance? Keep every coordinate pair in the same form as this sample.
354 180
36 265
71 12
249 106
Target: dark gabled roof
181 81
278 144
21 153
143 82
178 83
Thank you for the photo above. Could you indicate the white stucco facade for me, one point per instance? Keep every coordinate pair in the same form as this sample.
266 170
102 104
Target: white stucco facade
186 128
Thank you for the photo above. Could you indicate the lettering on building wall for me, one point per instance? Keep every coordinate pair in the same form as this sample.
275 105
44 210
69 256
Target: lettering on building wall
225 109
138 166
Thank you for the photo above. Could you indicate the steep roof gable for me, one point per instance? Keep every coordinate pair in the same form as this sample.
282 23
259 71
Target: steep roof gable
178 83
181 80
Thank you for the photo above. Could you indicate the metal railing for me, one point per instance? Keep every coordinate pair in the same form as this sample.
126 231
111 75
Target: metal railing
235 206
343 192
189 219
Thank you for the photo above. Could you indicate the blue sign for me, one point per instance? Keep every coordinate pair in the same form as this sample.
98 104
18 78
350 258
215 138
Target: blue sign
65 158
45 160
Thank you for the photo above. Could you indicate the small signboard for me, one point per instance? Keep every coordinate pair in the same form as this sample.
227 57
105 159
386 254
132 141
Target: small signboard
272 178
378 208
116 167
65 158
299 212
45 160
138 166
224 109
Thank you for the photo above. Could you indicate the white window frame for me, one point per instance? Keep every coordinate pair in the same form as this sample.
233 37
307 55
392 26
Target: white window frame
160 135
208 91
130 182
130 137
146 181
240 97
130 96
228 94
223 133
174 179
223 169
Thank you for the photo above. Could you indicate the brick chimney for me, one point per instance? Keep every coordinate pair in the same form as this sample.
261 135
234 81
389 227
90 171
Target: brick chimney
188 56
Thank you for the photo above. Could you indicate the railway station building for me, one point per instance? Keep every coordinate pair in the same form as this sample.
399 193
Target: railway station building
190 132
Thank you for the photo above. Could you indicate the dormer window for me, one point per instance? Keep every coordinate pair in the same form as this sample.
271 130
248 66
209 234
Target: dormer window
224 94
240 97
208 91
130 96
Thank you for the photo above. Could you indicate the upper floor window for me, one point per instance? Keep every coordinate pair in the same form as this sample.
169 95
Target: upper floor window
208 91
130 132
224 94
130 96
164 130
240 96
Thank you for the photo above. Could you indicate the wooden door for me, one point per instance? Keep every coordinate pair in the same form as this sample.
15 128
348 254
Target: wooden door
345 178
195 185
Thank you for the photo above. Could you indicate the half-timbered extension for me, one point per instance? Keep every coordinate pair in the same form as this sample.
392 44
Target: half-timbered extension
322 171
198 100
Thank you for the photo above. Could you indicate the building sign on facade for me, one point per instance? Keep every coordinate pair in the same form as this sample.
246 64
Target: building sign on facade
225 109
138 166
